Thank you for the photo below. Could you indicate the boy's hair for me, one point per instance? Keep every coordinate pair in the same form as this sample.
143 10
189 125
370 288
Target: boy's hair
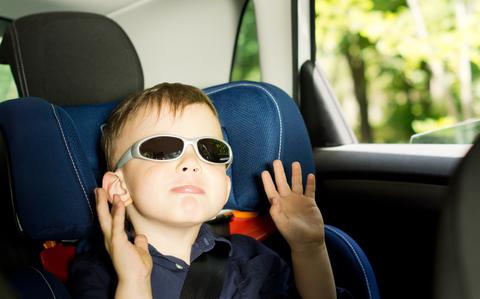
177 96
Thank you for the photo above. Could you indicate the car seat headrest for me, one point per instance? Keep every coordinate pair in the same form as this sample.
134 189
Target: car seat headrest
51 176
56 161
71 58
262 123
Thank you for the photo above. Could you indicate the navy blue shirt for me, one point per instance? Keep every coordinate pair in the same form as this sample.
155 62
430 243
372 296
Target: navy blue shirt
253 271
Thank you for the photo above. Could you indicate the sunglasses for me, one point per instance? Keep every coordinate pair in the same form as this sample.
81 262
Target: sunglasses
170 147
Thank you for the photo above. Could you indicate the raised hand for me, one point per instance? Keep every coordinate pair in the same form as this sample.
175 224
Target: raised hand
132 261
294 212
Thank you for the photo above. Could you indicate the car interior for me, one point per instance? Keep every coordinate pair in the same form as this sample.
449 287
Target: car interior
400 217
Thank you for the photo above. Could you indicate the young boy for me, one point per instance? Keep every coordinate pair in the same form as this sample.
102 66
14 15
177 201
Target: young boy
168 161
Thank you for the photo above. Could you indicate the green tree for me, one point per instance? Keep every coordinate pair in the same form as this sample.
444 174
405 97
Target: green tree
419 60
246 62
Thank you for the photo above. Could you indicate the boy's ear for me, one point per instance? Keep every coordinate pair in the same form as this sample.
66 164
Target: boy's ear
114 184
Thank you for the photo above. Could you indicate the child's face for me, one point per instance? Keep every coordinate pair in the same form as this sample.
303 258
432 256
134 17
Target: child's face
182 192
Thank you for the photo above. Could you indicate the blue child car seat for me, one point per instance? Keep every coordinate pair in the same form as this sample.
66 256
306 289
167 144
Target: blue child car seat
52 160
90 60
55 164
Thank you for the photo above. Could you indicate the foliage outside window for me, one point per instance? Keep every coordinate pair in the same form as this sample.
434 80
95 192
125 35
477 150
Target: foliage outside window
401 67
246 63
8 89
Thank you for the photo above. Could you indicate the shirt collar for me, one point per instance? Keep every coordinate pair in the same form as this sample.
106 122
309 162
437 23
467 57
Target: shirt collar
204 242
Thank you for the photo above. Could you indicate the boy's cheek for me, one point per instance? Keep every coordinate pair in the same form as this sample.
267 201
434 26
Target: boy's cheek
229 186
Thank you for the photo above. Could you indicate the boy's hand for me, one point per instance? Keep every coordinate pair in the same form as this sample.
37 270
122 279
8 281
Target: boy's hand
294 212
132 262
299 220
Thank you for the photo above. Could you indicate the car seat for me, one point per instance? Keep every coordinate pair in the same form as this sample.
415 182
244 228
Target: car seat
458 259
57 144
61 156
69 58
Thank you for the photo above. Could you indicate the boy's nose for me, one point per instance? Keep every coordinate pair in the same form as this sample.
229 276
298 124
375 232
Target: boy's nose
189 161
194 169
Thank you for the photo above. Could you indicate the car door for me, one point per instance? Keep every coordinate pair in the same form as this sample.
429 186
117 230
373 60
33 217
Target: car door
387 196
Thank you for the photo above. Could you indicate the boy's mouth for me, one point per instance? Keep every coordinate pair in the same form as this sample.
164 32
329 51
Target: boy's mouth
191 189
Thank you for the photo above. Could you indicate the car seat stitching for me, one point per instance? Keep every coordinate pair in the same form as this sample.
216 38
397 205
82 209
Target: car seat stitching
71 158
46 281
18 59
10 183
271 97
339 234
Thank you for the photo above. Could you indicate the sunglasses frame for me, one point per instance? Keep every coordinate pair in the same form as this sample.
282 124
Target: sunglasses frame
134 150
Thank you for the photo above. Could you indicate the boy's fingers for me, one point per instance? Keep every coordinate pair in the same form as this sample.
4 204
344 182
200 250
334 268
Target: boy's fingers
280 178
310 188
269 186
141 241
118 223
297 186
103 213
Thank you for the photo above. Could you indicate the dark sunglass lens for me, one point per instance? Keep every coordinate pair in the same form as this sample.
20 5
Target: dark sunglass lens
213 150
161 148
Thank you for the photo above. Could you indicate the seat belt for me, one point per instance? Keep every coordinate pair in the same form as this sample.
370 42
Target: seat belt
206 274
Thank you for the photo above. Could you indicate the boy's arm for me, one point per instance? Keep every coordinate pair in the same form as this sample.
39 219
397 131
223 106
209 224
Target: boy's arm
133 291
299 220
312 272
132 262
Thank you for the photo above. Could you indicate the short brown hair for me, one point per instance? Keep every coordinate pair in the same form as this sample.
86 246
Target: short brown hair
177 96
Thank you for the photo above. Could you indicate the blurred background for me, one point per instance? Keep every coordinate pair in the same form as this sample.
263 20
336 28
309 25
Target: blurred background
398 67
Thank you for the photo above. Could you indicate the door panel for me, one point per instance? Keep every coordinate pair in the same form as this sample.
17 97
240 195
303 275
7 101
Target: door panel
389 198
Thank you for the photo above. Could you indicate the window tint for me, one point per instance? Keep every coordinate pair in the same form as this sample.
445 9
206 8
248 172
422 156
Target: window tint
8 90
401 67
246 62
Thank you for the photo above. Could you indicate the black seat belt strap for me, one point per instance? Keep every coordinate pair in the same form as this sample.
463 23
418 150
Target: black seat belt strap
206 274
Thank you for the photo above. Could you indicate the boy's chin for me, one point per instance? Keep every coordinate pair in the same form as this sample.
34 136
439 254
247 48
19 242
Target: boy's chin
189 205
192 210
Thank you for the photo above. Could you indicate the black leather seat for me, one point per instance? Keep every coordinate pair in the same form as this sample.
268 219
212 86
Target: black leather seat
71 58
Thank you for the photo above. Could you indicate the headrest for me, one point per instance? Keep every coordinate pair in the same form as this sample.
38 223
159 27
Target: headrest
262 123
56 161
71 58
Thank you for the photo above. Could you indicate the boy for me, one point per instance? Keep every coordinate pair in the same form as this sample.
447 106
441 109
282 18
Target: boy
168 162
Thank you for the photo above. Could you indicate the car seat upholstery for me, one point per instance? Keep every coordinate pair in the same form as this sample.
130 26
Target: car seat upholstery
33 282
55 163
69 58
458 259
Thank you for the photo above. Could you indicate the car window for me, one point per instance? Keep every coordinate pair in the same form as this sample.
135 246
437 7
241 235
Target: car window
246 62
401 67
8 90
